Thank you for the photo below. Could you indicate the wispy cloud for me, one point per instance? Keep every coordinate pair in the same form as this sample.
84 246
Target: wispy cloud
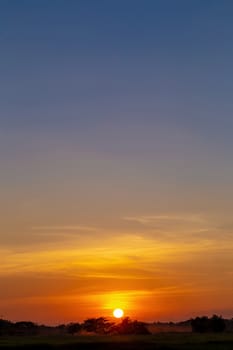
176 226
64 228
153 219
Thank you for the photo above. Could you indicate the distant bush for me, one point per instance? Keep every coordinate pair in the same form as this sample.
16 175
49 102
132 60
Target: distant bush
5 327
103 326
217 324
204 324
99 325
17 328
73 328
128 326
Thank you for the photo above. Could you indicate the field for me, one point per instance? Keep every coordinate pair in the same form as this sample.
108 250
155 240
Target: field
158 342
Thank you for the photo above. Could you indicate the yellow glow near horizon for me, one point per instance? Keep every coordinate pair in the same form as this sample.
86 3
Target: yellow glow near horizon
151 279
118 313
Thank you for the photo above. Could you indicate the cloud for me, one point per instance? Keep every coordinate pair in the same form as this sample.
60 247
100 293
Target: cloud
154 219
64 228
39 237
177 226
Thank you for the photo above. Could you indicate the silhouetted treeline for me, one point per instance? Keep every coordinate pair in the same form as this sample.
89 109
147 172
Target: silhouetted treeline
18 328
99 325
204 324
104 326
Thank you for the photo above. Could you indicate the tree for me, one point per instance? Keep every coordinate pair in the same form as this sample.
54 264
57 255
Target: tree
131 327
26 327
217 324
204 324
200 324
6 327
97 325
73 328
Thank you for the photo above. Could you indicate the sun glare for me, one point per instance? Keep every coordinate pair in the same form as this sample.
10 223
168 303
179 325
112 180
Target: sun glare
118 313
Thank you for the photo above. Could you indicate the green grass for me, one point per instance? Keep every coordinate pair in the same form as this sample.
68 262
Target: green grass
163 341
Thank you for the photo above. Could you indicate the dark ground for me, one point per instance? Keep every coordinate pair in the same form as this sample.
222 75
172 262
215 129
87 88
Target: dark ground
164 341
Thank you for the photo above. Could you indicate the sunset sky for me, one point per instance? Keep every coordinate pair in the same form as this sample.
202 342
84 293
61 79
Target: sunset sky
116 161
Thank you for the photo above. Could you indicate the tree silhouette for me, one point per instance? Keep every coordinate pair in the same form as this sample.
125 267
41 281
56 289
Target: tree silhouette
217 324
73 328
131 327
97 325
6 327
204 324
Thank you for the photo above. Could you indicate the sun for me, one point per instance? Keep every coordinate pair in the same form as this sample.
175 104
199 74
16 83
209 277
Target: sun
118 313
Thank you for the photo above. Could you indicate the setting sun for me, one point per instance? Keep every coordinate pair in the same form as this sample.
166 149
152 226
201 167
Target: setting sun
118 313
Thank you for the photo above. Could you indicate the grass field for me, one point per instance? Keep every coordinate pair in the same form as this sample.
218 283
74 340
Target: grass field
157 342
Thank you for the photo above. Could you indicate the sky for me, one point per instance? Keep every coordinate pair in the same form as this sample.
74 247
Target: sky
116 159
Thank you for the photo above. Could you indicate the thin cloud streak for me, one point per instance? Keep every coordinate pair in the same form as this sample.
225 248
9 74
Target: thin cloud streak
150 219
64 228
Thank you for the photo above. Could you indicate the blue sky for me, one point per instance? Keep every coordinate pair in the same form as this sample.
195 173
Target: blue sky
116 120
121 59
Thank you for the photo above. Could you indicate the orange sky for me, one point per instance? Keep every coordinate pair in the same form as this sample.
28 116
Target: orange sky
116 161
151 279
